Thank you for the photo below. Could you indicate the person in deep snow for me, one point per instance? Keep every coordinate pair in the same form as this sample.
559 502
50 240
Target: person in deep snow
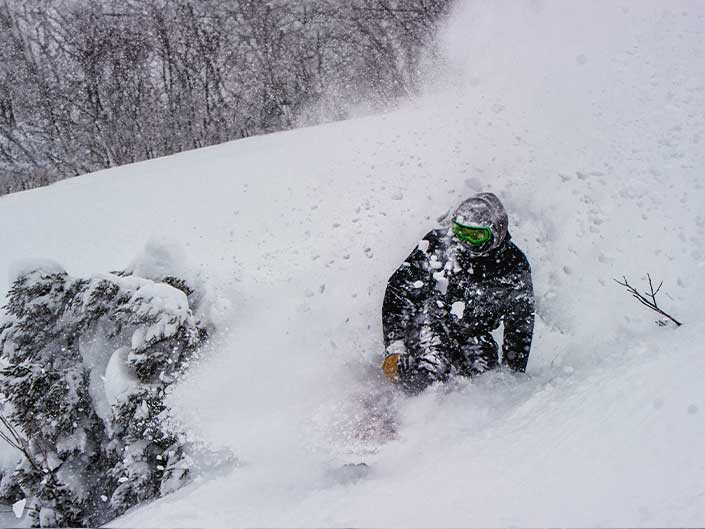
455 288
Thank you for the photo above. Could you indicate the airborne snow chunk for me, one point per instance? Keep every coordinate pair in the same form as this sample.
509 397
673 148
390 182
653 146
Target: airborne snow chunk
458 309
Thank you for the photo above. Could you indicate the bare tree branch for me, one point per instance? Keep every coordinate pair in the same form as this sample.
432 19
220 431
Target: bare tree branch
648 299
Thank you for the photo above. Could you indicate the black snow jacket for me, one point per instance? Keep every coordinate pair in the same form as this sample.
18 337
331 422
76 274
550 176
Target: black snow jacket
461 299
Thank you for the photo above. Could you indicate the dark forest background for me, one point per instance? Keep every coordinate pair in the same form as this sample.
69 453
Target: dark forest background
87 85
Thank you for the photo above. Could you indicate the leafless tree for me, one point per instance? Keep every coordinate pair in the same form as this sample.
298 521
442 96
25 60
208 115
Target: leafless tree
86 84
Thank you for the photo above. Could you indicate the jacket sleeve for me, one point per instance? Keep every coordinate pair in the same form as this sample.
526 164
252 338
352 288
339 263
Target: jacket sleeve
519 319
407 292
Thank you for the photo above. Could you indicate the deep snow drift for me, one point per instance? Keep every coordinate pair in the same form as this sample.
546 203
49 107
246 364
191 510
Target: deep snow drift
589 122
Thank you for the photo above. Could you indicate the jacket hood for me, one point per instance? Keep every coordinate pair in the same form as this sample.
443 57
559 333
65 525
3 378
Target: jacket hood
484 209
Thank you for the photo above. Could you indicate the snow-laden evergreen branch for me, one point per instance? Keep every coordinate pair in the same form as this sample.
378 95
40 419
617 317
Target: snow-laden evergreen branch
87 365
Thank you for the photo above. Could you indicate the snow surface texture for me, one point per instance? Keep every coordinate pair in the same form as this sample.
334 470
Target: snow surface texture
588 121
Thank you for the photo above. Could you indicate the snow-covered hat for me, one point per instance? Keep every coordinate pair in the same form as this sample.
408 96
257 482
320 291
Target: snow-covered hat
484 209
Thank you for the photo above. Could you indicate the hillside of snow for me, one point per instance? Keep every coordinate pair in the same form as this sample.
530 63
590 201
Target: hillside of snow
588 121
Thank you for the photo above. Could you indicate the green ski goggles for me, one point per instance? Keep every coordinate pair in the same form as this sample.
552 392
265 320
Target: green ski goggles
475 235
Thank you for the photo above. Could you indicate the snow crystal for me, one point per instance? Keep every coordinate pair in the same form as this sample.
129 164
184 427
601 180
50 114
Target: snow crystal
458 309
418 284
423 245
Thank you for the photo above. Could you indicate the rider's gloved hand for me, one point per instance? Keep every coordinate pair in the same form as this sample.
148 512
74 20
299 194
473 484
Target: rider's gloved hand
394 352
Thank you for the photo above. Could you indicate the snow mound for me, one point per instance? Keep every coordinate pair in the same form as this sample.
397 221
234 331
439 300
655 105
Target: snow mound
26 266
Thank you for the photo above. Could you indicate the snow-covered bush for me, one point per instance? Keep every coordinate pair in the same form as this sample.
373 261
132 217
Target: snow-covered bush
88 362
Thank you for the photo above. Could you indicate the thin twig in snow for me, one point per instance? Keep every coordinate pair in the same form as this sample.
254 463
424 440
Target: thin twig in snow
644 298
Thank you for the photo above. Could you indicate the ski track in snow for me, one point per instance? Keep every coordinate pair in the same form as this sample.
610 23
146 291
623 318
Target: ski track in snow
591 132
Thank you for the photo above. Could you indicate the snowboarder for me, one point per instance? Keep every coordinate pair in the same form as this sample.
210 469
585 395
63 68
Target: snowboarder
455 288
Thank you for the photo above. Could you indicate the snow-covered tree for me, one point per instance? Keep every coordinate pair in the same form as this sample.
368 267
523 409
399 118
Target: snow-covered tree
88 362
87 84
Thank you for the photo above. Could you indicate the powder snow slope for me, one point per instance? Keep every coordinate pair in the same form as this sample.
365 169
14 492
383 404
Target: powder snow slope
589 122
